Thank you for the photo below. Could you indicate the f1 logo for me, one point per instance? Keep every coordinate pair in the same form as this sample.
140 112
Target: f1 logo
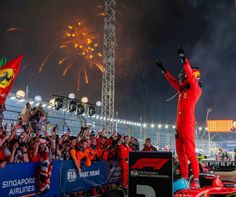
155 163
145 190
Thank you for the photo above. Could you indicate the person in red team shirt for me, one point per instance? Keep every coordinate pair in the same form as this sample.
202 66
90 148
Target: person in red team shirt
148 145
189 88
124 150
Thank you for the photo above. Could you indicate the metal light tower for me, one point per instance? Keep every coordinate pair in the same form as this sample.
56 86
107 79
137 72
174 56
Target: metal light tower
108 78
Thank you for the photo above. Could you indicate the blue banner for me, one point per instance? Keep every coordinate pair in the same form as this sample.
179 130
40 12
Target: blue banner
88 178
21 180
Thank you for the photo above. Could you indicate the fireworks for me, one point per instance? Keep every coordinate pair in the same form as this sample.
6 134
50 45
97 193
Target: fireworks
80 52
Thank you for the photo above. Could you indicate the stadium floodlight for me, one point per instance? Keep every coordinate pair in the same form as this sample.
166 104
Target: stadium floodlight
144 125
58 103
20 94
112 120
71 96
80 109
159 126
91 110
173 127
72 106
38 99
206 128
152 125
84 99
166 126
200 128
101 117
98 103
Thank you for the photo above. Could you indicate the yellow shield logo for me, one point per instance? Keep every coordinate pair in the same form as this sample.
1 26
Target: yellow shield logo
6 76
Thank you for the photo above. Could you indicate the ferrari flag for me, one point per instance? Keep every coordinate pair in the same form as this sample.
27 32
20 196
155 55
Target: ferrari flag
8 73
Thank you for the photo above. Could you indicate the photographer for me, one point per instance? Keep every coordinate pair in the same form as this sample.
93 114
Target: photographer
19 153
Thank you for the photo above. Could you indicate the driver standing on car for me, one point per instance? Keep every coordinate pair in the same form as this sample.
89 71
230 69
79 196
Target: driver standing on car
189 89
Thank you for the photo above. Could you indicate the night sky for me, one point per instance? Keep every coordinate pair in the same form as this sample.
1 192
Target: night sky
146 29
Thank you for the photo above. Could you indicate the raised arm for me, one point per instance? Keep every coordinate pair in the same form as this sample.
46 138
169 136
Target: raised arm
172 80
187 67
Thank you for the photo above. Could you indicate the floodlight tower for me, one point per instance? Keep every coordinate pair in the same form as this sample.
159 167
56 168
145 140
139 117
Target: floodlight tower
108 78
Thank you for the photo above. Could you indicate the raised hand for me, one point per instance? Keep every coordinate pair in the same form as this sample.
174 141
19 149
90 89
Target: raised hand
160 65
180 52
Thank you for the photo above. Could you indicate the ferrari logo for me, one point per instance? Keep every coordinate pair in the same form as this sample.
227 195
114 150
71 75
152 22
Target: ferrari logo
6 76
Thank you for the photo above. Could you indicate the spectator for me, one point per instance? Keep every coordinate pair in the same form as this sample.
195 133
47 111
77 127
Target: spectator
167 147
148 145
123 159
4 150
19 153
25 114
83 153
2 109
134 144
38 117
72 152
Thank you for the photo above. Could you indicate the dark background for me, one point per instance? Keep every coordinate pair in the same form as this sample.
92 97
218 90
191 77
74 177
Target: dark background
146 29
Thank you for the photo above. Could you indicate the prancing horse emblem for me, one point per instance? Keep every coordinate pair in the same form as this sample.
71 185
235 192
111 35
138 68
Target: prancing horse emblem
6 76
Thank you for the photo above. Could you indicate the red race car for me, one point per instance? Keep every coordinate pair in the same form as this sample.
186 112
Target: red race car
211 186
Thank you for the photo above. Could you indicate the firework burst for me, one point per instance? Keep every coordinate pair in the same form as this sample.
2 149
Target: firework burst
80 52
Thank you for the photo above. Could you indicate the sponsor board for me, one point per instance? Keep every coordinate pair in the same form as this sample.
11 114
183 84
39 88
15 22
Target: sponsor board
21 180
150 174
89 177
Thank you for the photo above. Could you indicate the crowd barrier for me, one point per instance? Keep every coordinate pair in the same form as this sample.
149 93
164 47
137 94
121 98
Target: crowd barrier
21 179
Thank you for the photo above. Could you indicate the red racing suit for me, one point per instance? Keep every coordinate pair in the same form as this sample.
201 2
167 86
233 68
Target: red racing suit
123 158
185 119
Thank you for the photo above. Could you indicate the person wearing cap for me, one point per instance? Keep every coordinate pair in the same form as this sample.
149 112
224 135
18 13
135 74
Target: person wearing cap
189 89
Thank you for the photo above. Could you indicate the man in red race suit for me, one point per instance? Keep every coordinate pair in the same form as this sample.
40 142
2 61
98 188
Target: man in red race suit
124 150
189 89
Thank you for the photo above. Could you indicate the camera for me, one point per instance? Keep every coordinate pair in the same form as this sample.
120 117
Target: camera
32 135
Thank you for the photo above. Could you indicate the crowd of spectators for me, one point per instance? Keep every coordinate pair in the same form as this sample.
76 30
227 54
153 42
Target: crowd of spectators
26 140
29 140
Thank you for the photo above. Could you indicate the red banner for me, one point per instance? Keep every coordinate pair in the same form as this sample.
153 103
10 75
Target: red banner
8 75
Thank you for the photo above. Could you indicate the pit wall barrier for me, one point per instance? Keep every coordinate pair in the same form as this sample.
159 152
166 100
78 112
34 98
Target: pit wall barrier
21 179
